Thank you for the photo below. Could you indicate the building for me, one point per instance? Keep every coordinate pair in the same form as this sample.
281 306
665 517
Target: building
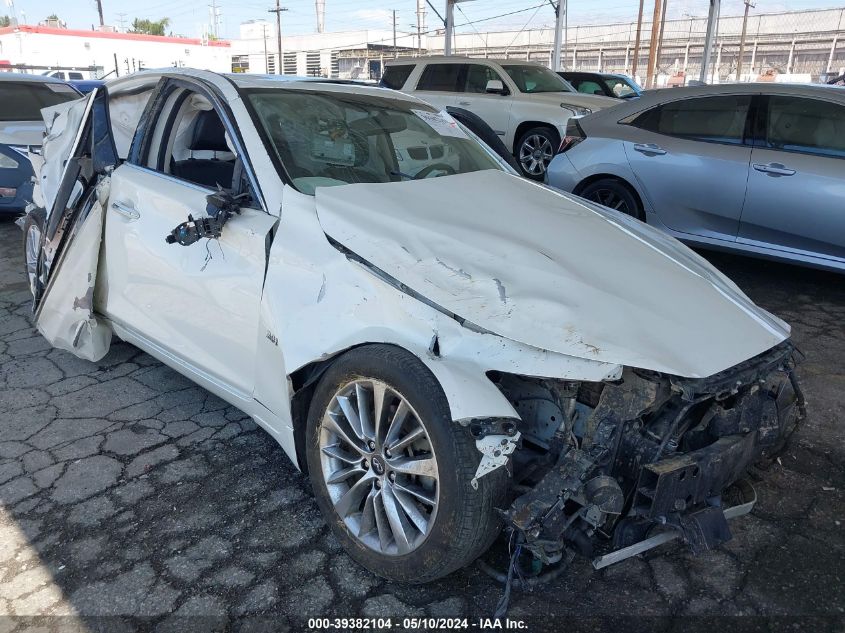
346 54
797 45
802 45
105 52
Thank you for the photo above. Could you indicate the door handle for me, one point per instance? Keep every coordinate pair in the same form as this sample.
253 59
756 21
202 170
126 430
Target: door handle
649 148
125 210
775 169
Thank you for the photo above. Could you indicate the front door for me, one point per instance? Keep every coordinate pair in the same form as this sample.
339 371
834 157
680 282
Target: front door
494 109
691 161
200 303
796 189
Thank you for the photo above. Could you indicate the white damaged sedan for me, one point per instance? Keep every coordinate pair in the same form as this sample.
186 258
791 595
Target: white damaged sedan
446 348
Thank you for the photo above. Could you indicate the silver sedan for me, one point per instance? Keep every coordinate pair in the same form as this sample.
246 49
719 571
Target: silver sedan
755 168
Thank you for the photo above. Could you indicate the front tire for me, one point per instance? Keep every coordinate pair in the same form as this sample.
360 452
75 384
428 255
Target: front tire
535 150
391 471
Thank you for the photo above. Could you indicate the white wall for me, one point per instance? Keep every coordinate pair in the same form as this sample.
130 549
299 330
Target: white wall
41 46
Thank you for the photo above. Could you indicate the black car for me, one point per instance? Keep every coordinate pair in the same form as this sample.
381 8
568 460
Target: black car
21 129
605 84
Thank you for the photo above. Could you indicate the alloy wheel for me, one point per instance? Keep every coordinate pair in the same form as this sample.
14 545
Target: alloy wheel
610 199
535 154
379 467
32 252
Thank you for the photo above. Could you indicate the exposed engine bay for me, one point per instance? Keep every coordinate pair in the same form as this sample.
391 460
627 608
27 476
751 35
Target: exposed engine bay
599 468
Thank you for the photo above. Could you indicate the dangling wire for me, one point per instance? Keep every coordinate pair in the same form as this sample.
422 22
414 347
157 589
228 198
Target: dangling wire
504 601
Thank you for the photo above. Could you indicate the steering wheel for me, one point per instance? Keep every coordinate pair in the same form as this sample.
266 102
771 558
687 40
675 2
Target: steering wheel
425 171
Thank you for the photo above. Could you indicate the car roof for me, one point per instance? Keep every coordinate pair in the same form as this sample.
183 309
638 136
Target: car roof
587 73
660 95
38 79
256 81
460 59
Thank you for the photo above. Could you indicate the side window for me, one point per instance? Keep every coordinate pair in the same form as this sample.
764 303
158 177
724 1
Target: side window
806 125
440 77
75 76
477 77
190 142
395 76
713 119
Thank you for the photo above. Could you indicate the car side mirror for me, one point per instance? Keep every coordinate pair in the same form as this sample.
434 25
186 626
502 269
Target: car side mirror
220 206
495 86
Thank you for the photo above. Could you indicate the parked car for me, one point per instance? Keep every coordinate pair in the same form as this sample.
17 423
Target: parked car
65 75
524 102
86 85
432 347
752 168
21 130
605 84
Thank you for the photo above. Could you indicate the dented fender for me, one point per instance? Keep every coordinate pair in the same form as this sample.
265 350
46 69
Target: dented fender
318 302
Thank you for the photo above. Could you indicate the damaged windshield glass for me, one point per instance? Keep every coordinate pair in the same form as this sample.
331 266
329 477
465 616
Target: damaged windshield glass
324 139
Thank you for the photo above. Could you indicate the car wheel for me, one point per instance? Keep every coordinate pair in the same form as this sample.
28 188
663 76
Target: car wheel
33 235
391 471
535 150
615 195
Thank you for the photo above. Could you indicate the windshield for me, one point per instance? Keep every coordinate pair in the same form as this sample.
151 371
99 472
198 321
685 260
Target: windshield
23 100
531 79
324 139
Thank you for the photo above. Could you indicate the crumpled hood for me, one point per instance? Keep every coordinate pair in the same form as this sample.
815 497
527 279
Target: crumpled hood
544 269
21 132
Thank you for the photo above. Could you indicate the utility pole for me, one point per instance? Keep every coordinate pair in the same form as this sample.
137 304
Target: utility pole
748 5
560 12
450 26
712 25
652 47
394 33
266 60
420 22
100 11
121 18
278 11
214 18
637 42
660 38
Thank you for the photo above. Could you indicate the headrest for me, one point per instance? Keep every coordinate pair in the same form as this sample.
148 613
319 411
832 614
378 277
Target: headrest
209 133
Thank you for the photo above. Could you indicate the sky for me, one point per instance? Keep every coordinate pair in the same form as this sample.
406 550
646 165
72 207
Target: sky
187 17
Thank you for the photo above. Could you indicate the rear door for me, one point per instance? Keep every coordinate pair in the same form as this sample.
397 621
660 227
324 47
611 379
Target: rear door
692 162
796 185
494 109
78 156
439 84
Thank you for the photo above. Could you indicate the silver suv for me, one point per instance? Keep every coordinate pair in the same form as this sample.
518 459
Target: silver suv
525 103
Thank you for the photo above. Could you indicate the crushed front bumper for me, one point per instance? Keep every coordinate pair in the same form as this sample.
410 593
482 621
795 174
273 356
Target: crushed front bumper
654 458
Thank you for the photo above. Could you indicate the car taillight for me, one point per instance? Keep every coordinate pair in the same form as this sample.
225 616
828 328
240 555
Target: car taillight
8 192
574 135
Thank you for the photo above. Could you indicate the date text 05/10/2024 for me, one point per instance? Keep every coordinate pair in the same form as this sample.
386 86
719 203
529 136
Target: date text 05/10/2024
422 624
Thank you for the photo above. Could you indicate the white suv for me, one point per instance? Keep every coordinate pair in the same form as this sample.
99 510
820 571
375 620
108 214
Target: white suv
525 103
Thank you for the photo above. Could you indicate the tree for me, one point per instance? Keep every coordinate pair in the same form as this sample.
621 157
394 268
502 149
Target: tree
5 21
149 27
